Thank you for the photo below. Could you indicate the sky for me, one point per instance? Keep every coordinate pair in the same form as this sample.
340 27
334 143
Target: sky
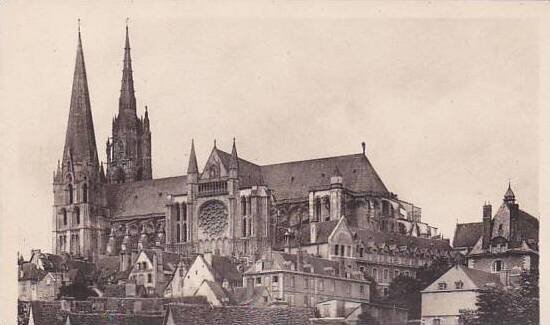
448 107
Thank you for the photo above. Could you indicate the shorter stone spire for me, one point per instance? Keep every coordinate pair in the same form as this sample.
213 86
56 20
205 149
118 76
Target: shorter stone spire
509 196
234 162
192 168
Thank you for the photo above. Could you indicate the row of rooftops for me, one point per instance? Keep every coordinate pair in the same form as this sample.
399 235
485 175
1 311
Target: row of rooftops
54 313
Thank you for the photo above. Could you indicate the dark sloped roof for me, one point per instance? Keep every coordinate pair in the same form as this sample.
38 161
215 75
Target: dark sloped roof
249 173
400 240
115 319
221 294
29 271
481 278
225 269
293 179
144 197
303 233
467 234
319 265
243 315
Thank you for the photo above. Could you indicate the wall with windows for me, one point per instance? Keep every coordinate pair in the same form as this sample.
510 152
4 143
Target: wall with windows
304 289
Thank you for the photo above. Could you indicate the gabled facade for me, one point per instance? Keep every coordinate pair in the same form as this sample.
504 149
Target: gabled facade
381 255
153 269
214 275
506 243
454 291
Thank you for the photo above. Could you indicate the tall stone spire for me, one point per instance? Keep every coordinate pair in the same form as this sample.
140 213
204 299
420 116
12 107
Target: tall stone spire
80 143
192 168
127 99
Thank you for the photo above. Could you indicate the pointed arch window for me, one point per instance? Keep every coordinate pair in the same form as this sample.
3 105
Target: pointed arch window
178 233
77 215
318 209
244 227
71 196
85 193
178 213
184 232
243 206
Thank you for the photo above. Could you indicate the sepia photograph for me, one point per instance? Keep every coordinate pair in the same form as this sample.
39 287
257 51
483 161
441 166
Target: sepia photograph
281 162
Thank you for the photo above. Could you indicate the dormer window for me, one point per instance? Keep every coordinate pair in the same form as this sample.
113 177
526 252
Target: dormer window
442 286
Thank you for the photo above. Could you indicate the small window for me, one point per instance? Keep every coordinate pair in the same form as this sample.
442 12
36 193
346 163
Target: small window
258 280
459 285
64 217
442 286
149 278
386 274
275 279
77 213
436 321
386 292
361 289
336 249
396 273
497 266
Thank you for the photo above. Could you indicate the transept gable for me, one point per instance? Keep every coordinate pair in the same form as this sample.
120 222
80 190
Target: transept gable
215 166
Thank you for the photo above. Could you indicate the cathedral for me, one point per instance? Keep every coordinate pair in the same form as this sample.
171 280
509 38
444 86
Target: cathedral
231 206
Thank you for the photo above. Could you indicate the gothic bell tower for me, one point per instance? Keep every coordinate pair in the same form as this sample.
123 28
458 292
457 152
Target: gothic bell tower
78 211
129 148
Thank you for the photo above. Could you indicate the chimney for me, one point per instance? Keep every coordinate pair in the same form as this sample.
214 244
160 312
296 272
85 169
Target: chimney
487 214
364 145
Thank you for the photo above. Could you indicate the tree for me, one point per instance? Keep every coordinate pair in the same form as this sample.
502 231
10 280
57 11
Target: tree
507 306
404 291
77 290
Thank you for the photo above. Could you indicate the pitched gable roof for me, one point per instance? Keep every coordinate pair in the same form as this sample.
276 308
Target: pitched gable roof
114 319
294 179
249 173
467 234
183 314
143 197
224 269
481 278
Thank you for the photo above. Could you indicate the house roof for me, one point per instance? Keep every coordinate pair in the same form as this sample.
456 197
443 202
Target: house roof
114 319
224 268
379 237
44 313
170 260
294 179
481 278
220 293
29 271
200 314
467 234
319 265
143 197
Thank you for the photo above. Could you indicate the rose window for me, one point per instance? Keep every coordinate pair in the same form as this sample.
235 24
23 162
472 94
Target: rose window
213 218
